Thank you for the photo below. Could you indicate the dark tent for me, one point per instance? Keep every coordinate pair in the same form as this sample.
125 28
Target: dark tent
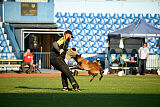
133 36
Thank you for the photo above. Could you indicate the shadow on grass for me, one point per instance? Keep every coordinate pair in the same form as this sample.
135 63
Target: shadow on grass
25 87
78 100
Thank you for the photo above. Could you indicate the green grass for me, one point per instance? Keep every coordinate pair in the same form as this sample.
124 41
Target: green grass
111 91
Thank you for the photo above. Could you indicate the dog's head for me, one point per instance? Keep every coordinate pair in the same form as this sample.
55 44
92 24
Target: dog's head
77 58
71 53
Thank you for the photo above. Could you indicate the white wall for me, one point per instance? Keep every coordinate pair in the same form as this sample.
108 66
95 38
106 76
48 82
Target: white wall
106 7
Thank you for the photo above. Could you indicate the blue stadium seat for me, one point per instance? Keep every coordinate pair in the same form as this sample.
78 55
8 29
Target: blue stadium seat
132 16
13 58
71 26
83 15
90 33
4 43
140 16
91 15
96 45
106 32
85 21
89 37
60 20
152 22
4 57
158 22
58 14
118 22
63 26
115 16
100 16
132 20
96 27
93 21
90 51
102 39
76 38
75 15
68 20
88 27
102 21
156 16
5 49
88 45
124 16
113 28
110 22
74 32
82 32
85 39
99 50
80 26
94 39
1 37
98 33
105 27
81 50
107 16
79 44
148 16
67 15
126 22
76 20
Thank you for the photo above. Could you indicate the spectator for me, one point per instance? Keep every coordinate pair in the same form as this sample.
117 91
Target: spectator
28 60
97 61
143 54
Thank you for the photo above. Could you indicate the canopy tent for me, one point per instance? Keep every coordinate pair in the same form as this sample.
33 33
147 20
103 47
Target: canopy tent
133 36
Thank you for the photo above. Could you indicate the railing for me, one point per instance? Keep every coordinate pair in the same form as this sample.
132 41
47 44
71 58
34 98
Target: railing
42 59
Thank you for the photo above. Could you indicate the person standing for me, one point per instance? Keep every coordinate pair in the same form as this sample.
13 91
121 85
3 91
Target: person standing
58 53
143 54
28 60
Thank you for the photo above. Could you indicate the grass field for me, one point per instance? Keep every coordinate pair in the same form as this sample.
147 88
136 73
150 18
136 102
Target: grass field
112 91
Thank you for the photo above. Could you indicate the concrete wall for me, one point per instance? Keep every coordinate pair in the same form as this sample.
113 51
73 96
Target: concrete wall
45 13
106 7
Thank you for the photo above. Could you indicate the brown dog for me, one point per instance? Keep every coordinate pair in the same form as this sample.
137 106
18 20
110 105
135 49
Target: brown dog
92 68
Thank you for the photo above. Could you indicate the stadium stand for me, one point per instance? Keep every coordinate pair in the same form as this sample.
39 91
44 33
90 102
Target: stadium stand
92 25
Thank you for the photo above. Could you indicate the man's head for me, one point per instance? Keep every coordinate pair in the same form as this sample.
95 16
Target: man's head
144 45
28 51
68 34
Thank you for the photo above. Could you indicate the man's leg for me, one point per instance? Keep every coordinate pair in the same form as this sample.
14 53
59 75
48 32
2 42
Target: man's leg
30 68
64 80
144 67
23 68
140 67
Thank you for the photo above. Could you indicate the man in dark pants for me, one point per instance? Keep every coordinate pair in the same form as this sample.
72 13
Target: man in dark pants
57 60
143 54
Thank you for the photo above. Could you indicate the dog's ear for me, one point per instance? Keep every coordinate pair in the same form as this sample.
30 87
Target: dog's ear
80 55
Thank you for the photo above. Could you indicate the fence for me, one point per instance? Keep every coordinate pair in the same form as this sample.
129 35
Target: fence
42 59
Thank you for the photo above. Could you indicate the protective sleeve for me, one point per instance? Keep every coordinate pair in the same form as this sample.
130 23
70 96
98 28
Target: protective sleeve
55 46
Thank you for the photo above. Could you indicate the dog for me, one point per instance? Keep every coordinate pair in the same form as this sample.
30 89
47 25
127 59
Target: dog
93 68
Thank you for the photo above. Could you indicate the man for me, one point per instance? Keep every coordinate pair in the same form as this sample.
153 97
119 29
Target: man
28 60
97 61
57 60
143 54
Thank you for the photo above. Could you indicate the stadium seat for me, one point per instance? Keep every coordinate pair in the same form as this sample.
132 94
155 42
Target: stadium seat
68 20
102 21
124 16
91 15
102 39
60 20
90 33
71 26
85 21
100 16
152 22
76 38
79 44
58 14
148 16
132 16
63 26
4 43
76 20
85 39
4 57
5 49
90 51
93 21
81 50
83 15
158 22
107 16
99 50
105 27
140 16
118 22
156 16
67 15
126 22
94 39
88 27
115 16
119 26
1 37
110 22
96 44
75 15
82 32
113 28
88 45
80 26
98 33
96 27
